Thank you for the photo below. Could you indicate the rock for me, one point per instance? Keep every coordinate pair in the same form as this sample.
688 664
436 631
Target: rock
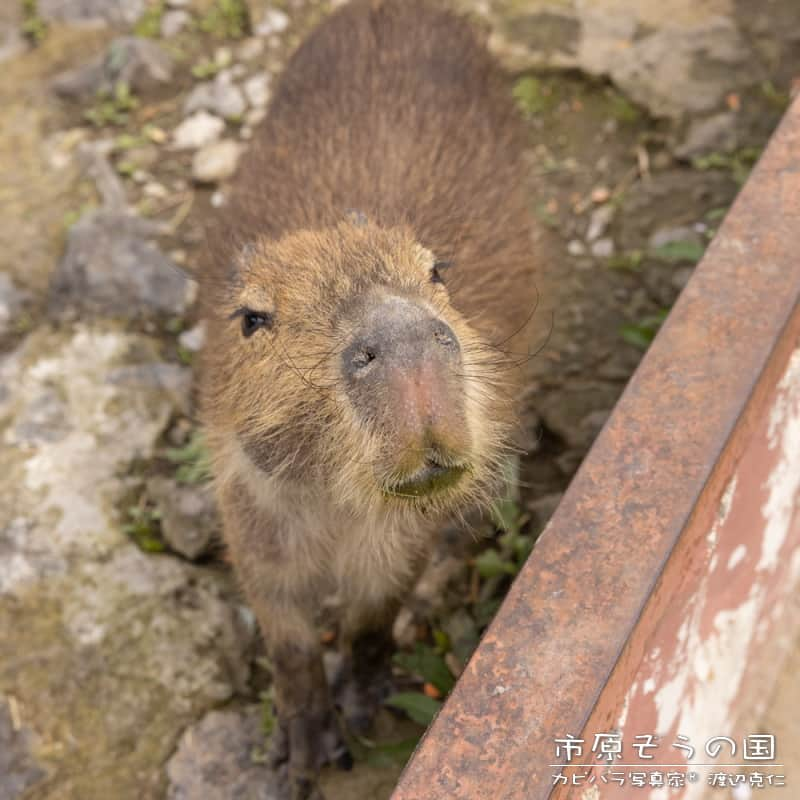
463 633
158 192
189 521
193 339
256 88
172 380
12 42
272 21
112 267
214 760
173 22
141 158
672 58
220 96
250 49
576 248
216 162
664 237
599 222
563 411
12 301
133 61
17 766
103 12
717 133
137 646
93 157
198 130
255 116
603 248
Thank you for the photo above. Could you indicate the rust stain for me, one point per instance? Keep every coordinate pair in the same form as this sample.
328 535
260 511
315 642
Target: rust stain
627 558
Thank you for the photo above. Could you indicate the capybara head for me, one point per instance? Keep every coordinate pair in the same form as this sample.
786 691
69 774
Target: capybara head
337 357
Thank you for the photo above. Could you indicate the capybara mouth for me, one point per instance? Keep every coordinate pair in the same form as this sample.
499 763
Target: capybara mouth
430 479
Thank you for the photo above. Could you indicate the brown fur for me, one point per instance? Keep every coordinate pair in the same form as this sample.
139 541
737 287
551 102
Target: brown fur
394 112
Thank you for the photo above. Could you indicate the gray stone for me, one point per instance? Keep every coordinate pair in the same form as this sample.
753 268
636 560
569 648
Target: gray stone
131 60
111 12
189 522
603 248
214 760
257 90
12 42
672 58
198 130
194 338
250 49
599 221
576 248
173 22
172 380
717 133
220 96
12 301
96 635
113 267
216 162
664 237
272 21
18 769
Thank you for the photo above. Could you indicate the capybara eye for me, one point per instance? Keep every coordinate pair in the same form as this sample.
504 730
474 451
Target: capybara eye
436 271
253 320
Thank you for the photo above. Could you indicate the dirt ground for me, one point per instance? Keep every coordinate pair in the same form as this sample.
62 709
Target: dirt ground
111 611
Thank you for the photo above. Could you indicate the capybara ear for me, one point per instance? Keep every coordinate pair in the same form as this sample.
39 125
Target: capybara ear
356 217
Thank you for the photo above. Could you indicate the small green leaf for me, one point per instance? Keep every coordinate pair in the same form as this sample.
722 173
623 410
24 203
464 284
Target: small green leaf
391 754
490 563
631 261
641 334
418 706
679 252
532 96
428 665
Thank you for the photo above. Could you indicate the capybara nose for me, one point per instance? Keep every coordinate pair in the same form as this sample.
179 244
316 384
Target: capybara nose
400 334
403 375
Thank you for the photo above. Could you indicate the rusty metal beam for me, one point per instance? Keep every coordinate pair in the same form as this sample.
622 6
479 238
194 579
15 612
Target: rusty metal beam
681 524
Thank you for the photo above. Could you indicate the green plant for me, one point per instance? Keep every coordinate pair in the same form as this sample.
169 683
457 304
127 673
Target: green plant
533 97
641 334
630 261
227 19
428 665
144 528
112 107
267 711
419 707
775 96
34 27
622 109
149 24
739 164
207 68
680 252
192 460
